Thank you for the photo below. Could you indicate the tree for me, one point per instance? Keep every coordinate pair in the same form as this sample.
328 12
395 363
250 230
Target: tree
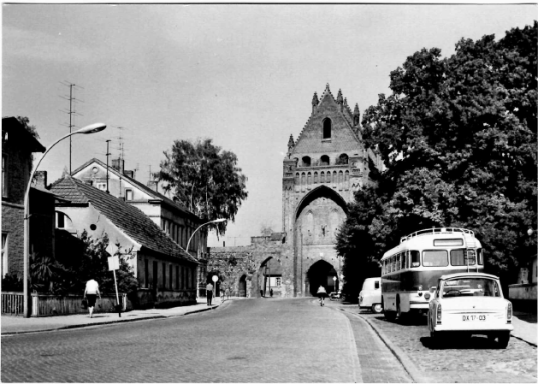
458 137
204 179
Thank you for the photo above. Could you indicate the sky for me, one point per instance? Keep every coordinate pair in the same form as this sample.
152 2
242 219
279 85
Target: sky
242 75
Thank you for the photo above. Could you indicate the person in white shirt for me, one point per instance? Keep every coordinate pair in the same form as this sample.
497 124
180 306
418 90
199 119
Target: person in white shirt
90 293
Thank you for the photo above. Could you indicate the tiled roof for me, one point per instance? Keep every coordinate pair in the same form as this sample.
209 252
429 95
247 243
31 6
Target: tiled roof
156 195
127 218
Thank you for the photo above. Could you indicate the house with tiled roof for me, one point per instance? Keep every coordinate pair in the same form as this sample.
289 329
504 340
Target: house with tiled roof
18 146
171 216
165 271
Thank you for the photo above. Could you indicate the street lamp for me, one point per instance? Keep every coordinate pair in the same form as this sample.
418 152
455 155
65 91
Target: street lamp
89 129
188 243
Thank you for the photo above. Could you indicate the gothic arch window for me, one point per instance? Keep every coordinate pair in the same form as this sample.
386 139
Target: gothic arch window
327 128
343 159
335 175
309 179
303 181
324 160
322 177
340 179
306 161
346 179
315 177
297 178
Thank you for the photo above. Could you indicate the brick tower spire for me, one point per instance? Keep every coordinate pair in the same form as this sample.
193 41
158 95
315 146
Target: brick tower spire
356 116
315 101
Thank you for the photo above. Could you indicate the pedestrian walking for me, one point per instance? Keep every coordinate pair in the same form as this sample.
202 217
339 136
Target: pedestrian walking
209 293
271 292
322 292
90 293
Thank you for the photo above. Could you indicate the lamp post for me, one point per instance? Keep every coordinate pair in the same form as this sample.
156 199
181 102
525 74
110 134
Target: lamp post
189 242
89 129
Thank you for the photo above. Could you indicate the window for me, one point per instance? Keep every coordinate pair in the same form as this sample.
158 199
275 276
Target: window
343 159
164 275
60 220
146 271
376 284
327 125
480 252
306 161
4 176
128 194
4 255
404 260
415 259
398 261
437 258
278 281
324 160
457 257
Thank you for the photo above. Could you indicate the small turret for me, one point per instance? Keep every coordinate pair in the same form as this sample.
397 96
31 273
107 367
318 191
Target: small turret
356 116
315 101
340 100
291 144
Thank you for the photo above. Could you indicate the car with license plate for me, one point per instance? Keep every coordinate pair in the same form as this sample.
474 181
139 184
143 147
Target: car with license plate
470 303
370 295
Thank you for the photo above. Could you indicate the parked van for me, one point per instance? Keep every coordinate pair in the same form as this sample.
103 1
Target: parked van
370 295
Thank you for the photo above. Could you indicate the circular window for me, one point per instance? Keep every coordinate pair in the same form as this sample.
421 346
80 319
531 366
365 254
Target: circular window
93 227
95 169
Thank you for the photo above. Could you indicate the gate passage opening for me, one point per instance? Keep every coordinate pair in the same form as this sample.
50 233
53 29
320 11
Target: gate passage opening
321 273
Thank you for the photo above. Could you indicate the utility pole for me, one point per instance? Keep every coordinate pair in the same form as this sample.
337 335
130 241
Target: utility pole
107 155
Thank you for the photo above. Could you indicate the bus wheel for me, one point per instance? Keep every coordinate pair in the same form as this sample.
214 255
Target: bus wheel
389 315
377 308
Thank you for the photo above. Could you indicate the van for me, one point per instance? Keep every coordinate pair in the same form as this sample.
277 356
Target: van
370 295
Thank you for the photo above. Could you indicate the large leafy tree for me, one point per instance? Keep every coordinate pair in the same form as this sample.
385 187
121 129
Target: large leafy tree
458 138
205 179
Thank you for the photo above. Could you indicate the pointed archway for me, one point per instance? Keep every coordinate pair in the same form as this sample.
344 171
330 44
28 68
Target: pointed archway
242 286
320 273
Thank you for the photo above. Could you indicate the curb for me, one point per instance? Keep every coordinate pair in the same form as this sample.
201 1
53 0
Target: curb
85 325
409 366
522 339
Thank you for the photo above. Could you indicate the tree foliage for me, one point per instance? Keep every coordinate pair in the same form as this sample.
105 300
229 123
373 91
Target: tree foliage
458 139
205 179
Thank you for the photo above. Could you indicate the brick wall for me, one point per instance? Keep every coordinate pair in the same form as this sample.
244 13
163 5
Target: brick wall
12 224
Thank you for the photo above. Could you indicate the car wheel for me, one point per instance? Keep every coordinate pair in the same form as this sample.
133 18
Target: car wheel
377 308
504 339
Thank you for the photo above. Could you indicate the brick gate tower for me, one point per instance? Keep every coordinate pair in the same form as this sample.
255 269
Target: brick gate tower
321 171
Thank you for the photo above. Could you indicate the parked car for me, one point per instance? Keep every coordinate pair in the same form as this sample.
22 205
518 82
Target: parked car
470 303
370 295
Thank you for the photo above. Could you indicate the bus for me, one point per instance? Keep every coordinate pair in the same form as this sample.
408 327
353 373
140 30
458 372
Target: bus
409 271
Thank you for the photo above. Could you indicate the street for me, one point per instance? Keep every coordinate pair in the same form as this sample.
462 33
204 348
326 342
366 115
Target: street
255 340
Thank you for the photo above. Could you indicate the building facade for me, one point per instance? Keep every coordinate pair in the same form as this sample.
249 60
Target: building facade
322 170
172 217
165 272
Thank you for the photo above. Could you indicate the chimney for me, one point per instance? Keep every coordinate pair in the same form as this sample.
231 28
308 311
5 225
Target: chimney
129 174
41 179
118 164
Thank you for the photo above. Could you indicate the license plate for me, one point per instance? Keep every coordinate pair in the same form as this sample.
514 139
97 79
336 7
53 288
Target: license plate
474 317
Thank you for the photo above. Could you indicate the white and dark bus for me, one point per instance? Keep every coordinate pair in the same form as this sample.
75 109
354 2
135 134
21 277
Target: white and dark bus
409 271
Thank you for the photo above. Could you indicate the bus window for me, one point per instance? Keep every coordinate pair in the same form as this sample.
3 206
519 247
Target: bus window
398 262
457 257
415 259
480 256
437 258
392 264
404 260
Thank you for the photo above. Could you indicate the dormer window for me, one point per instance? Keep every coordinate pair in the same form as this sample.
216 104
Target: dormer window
306 161
327 127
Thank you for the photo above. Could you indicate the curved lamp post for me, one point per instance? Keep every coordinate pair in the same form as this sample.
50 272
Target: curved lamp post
89 129
189 242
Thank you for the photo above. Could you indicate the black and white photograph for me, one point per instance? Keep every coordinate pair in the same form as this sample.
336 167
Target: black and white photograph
269 192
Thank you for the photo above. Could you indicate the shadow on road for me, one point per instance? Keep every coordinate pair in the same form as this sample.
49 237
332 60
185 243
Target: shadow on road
459 342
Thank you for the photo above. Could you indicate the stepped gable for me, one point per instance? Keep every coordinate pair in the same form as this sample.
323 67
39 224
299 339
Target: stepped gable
132 221
327 101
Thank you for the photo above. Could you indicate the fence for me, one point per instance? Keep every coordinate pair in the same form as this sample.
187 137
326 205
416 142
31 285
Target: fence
48 305
12 303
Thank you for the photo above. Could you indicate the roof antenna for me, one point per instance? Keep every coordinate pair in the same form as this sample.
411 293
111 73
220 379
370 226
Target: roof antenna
107 155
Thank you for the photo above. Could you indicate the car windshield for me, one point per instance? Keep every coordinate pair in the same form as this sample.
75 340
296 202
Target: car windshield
471 286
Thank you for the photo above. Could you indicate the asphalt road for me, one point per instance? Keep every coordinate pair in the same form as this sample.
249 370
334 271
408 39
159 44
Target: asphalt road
243 341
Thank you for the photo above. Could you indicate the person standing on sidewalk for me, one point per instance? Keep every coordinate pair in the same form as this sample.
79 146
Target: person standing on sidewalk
90 293
209 292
